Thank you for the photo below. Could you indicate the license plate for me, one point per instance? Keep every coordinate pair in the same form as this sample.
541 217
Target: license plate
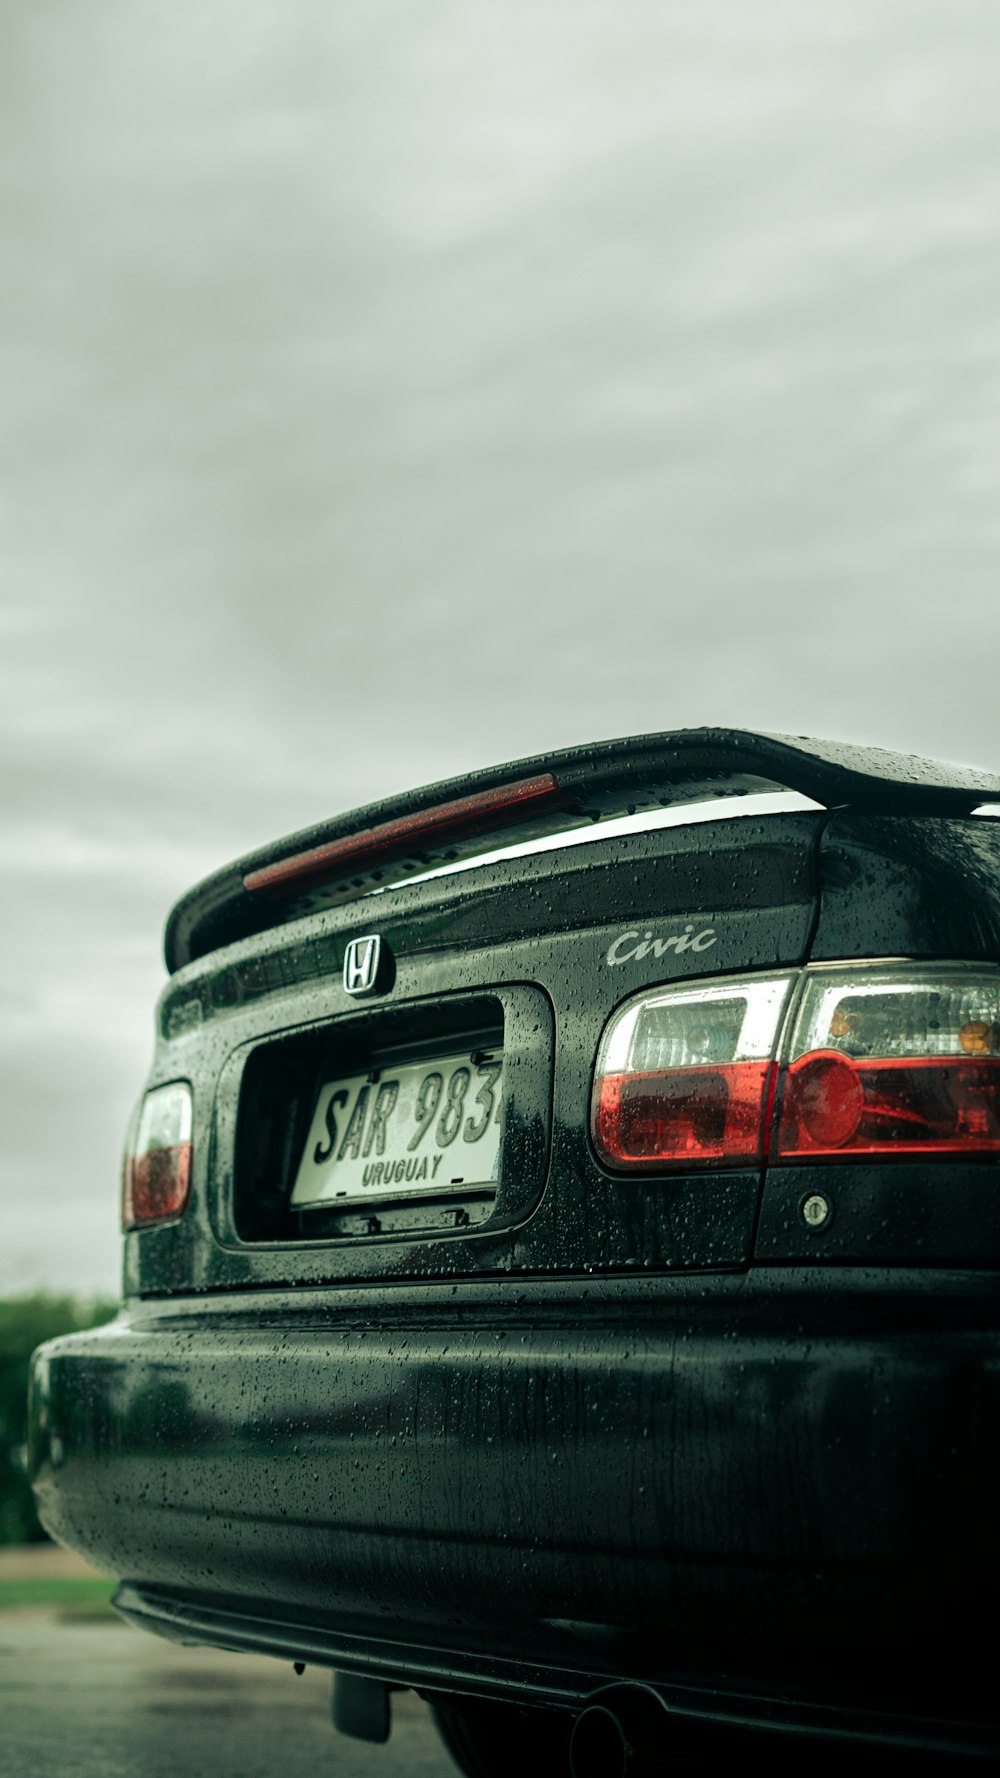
425 1127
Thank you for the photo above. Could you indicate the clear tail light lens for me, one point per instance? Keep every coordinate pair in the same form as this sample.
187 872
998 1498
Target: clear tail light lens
684 1076
157 1176
893 1060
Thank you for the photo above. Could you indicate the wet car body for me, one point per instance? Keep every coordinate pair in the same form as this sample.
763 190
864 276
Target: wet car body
568 1428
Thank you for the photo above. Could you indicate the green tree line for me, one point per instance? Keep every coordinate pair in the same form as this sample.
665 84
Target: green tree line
25 1322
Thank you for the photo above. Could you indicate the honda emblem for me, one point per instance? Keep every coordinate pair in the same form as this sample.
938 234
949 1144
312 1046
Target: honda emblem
361 964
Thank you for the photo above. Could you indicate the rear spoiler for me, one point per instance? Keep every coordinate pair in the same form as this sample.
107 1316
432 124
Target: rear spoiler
383 843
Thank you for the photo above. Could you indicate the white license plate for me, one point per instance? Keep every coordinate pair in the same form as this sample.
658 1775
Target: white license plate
431 1126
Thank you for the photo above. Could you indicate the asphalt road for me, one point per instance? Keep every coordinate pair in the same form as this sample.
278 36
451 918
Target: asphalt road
94 1698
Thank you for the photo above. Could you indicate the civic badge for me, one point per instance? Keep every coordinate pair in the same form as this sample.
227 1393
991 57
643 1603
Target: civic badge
367 965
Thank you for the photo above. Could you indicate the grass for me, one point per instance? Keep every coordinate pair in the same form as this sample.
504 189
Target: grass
87 1594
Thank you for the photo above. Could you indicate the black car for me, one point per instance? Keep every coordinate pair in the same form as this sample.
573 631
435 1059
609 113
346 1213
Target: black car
562 1262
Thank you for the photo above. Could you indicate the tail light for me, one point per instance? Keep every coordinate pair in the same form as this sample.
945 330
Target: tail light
684 1077
157 1176
876 1060
893 1060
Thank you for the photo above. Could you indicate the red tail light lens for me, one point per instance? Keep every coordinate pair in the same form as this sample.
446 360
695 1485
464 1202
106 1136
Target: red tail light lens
694 1115
893 1061
157 1177
684 1076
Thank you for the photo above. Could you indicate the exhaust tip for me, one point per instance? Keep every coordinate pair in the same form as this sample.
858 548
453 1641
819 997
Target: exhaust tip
599 1746
622 1731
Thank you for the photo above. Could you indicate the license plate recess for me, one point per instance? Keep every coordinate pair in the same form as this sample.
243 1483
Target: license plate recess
503 1038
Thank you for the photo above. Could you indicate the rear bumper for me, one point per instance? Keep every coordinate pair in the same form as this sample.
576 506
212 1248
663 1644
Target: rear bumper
444 1671
757 1487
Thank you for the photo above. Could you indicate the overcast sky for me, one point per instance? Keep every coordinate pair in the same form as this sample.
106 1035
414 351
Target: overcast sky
388 389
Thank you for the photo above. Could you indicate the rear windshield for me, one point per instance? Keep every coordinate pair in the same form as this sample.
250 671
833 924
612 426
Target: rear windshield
615 827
